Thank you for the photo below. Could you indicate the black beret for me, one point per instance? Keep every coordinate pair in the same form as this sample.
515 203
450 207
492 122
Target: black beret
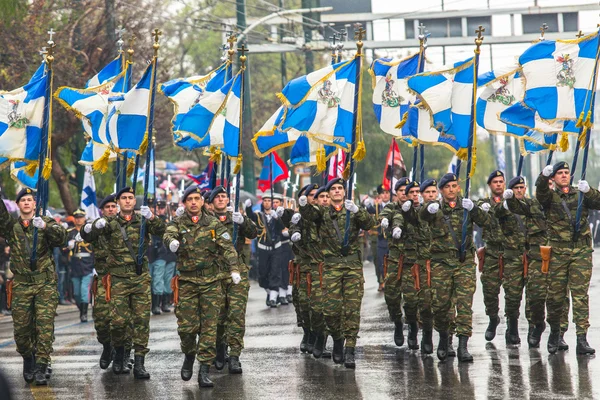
206 195
25 192
411 185
79 213
190 190
174 205
381 189
218 190
517 180
111 198
161 203
558 166
449 177
126 189
334 181
495 174
307 189
319 191
401 182
427 183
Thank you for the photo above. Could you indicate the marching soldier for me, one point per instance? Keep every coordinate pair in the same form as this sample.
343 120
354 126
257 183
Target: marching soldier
206 256
128 293
381 241
342 271
81 264
34 289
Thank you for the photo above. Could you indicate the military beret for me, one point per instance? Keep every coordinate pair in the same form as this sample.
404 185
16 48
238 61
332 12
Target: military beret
558 166
446 179
322 189
126 189
190 190
25 192
307 189
206 195
401 182
411 185
174 205
161 203
517 180
150 201
381 189
495 174
427 183
79 213
111 198
216 191
335 181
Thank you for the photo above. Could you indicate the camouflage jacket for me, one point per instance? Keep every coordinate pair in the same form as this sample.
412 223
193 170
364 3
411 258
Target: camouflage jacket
20 240
561 222
393 213
247 230
82 255
101 251
120 261
416 235
523 224
493 235
309 248
203 245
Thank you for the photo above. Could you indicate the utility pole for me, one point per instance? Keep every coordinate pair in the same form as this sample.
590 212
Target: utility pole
308 31
282 55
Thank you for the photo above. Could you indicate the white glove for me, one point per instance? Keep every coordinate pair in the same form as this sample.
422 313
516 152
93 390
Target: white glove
433 208
583 186
39 223
48 214
237 218
468 204
118 208
174 245
421 199
547 171
236 278
302 201
229 208
248 203
406 206
508 194
146 213
71 244
296 236
78 238
296 218
396 233
350 206
273 214
385 223
94 272
64 225
280 210
286 234
505 205
368 202
87 228
180 210
486 207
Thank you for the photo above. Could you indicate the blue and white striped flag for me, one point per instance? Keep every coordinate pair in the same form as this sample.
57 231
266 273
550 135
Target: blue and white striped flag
418 127
18 174
536 142
88 196
107 74
151 175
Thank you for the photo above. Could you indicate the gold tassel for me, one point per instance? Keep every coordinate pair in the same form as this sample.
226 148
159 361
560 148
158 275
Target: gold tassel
360 152
473 162
144 144
463 154
215 154
238 165
47 169
402 121
321 159
101 164
346 173
563 143
579 123
587 125
130 167
31 168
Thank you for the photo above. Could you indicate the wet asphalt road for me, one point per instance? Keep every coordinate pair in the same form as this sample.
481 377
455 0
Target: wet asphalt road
275 369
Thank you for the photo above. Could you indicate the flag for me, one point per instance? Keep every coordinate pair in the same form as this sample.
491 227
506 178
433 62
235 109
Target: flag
88 196
19 175
418 129
336 165
280 172
151 174
537 143
308 152
393 163
270 138
108 73
203 179
452 167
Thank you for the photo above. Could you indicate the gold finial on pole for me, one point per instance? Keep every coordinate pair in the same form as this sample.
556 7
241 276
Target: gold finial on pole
579 35
543 30
479 38
156 35
130 50
232 40
359 35
422 37
120 41
50 49
242 50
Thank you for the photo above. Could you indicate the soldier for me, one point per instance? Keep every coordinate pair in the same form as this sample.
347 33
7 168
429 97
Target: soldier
381 242
571 265
452 273
34 288
128 293
162 267
342 271
81 264
491 257
206 256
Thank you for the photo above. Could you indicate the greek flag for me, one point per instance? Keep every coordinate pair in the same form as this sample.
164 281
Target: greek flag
418 128
304 152
108 73
151 175
536 142
269 138
18 174
88 196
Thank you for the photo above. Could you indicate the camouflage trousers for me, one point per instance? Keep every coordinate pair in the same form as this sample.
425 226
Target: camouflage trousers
198 316
308 301
130 305
491 283
300 298
343 292
453 286
512 282
33 308
101 315
315 299
232 317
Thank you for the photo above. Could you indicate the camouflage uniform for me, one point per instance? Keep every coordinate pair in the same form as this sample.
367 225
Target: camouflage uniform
393 290
378 239
35 295
205 257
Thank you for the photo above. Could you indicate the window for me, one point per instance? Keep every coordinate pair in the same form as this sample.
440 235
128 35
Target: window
441 27
570 22
533 22
474 22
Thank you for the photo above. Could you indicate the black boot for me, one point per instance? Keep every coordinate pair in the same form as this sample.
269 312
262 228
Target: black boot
139 371
84 312
127 358
203 380
235 367
512 331
319 346
442 350
553 341
582 345
49 371
311 342
40 374
156 304
399 334
463 352
165 302
562 345
451 351
490 332
413 329
427 342
304 342
119 363
220 358
349 361
282 300
535 335
28 368
187 369
338 351
106 355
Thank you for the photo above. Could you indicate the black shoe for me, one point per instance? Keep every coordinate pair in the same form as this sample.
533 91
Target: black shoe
338 351
203 380
349 361
49 371
535 335
220 358
235 367
326 354
127 358
187 369
310 345
562 345
139 371
398 334
319 346
164 305
512 331
413 329
553 341
272 304
442 349
289 298
463 354
84 312
582 345
451 351
119 364
427 342
283 301
267 301
155 304
40 374
106 356
304 342
490 332
28 368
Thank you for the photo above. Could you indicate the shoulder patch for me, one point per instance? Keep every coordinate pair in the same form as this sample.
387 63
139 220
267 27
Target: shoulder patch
226 236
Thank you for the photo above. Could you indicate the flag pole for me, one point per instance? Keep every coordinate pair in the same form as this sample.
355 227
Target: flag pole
126 88
415 161
520 165
149 125
334 58
422 150
420 69
238 167
271 177
472 128
578 145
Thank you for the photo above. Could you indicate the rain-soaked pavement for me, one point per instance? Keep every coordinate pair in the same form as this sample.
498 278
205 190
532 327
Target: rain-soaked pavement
275 369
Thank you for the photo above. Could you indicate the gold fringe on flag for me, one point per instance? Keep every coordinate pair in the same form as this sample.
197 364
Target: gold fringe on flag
101 164
473 161
463 154
31 168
